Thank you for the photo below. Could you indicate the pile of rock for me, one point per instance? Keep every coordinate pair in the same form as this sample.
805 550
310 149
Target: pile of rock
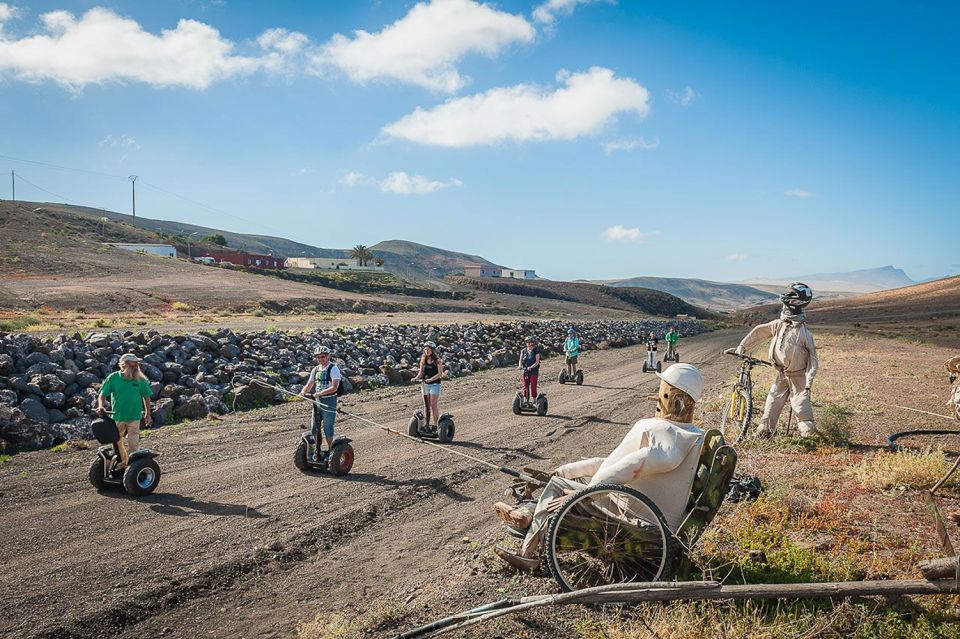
48 387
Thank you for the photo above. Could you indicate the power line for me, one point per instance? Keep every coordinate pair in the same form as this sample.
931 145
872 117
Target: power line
61 168
62 197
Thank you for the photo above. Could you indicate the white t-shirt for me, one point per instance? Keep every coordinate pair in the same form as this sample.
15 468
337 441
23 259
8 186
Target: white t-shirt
317 370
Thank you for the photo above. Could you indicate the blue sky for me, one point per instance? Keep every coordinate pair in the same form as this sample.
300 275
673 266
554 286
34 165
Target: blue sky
582 139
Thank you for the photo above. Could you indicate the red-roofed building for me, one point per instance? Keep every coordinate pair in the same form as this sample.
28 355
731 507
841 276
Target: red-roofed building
251 260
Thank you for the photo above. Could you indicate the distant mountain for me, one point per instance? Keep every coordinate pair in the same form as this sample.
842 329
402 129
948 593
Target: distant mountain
718 296
863 281
421 263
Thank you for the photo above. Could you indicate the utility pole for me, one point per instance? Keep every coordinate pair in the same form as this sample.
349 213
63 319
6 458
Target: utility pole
133 185
13 186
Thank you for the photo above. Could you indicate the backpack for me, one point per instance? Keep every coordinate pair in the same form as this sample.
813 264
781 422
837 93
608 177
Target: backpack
325 375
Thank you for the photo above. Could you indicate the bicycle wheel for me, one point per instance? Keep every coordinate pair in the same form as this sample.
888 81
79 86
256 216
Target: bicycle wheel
608 534
737 414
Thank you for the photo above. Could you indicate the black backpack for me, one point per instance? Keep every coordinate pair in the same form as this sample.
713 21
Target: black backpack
326 374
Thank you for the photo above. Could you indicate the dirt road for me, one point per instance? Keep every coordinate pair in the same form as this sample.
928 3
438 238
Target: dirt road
238 543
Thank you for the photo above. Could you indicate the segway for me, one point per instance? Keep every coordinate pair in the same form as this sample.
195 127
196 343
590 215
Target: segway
420 426
673 355
522 405
307 455
652 364
564 378
142 473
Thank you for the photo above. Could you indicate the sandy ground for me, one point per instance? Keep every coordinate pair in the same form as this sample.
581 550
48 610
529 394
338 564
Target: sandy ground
238 543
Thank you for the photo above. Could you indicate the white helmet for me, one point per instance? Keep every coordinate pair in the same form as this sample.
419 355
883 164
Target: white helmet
685 377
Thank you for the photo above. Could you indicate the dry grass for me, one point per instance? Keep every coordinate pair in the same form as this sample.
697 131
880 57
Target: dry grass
882 471
383 616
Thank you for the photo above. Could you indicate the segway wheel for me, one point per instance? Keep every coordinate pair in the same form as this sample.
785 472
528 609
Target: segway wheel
645 369
579 378
517 404
341 459
96 473
562 377
659 366
413 428
445 430
141 477
300 456
676 356
542 405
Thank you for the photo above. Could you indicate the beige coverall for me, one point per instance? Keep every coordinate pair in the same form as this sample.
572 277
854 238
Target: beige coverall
657 457
794 355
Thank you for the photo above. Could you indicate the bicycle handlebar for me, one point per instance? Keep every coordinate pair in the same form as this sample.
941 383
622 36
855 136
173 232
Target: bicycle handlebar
747 358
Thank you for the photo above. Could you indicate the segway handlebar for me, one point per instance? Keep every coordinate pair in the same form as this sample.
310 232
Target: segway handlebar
747 358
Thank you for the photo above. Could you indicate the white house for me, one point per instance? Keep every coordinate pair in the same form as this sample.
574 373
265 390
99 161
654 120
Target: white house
518 274
330 264
163 250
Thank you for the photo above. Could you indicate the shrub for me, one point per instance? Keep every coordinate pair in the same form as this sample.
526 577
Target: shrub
911 469
180 306
834 424
19 323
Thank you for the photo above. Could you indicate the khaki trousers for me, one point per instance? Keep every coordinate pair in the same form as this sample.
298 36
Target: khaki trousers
132 432
554 488
792 387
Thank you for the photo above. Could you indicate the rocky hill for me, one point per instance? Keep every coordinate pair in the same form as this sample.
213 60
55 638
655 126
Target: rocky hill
861 281
717 296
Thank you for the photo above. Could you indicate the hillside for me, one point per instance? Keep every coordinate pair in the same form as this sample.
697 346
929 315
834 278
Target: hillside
239 241
926 312
56 259
423 263
862 281
717 296
642 300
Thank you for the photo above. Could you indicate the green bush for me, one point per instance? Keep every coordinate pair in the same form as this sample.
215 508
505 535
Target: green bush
19 323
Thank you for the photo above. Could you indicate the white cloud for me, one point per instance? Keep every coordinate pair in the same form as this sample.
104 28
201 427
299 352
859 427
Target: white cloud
354 178
797 193
736 257
548 12
619 233
101 47
684 98
423 47
123 141
632 144
526 112
405 184
7 13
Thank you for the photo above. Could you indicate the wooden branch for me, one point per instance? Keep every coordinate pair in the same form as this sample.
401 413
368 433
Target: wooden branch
943 568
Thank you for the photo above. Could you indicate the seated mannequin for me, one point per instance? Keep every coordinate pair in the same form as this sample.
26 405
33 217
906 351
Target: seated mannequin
657 457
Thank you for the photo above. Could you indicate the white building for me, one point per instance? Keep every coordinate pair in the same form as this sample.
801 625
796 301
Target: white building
518 274
330 264
476 270
163 250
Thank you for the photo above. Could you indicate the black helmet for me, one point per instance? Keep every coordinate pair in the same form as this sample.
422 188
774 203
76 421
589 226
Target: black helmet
797 297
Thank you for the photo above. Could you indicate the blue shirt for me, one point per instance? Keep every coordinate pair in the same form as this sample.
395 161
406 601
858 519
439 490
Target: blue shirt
572 346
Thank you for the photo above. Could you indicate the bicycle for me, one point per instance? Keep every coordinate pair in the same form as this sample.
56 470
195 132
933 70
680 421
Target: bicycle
739 408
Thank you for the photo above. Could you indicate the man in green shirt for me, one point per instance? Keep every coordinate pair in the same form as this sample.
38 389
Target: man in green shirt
671 338
129 393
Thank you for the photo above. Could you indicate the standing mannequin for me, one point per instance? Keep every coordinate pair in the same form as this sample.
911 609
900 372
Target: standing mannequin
794 355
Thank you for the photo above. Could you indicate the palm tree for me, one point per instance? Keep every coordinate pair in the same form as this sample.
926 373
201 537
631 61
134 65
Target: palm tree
362 254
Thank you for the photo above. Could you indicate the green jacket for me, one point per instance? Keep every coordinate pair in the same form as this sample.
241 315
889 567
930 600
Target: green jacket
672 337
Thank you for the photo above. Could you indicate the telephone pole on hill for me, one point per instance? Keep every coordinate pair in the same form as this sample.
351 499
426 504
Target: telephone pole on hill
133 184
13 187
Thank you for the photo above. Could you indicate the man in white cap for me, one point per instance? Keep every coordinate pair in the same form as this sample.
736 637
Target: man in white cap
657 457
129 393
794 355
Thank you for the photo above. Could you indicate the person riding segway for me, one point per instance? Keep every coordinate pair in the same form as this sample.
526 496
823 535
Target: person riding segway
118 463
529 366
431 373
671 338
652 365
322 389
571 350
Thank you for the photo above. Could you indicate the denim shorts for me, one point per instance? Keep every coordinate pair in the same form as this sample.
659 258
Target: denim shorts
431 389
325 416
